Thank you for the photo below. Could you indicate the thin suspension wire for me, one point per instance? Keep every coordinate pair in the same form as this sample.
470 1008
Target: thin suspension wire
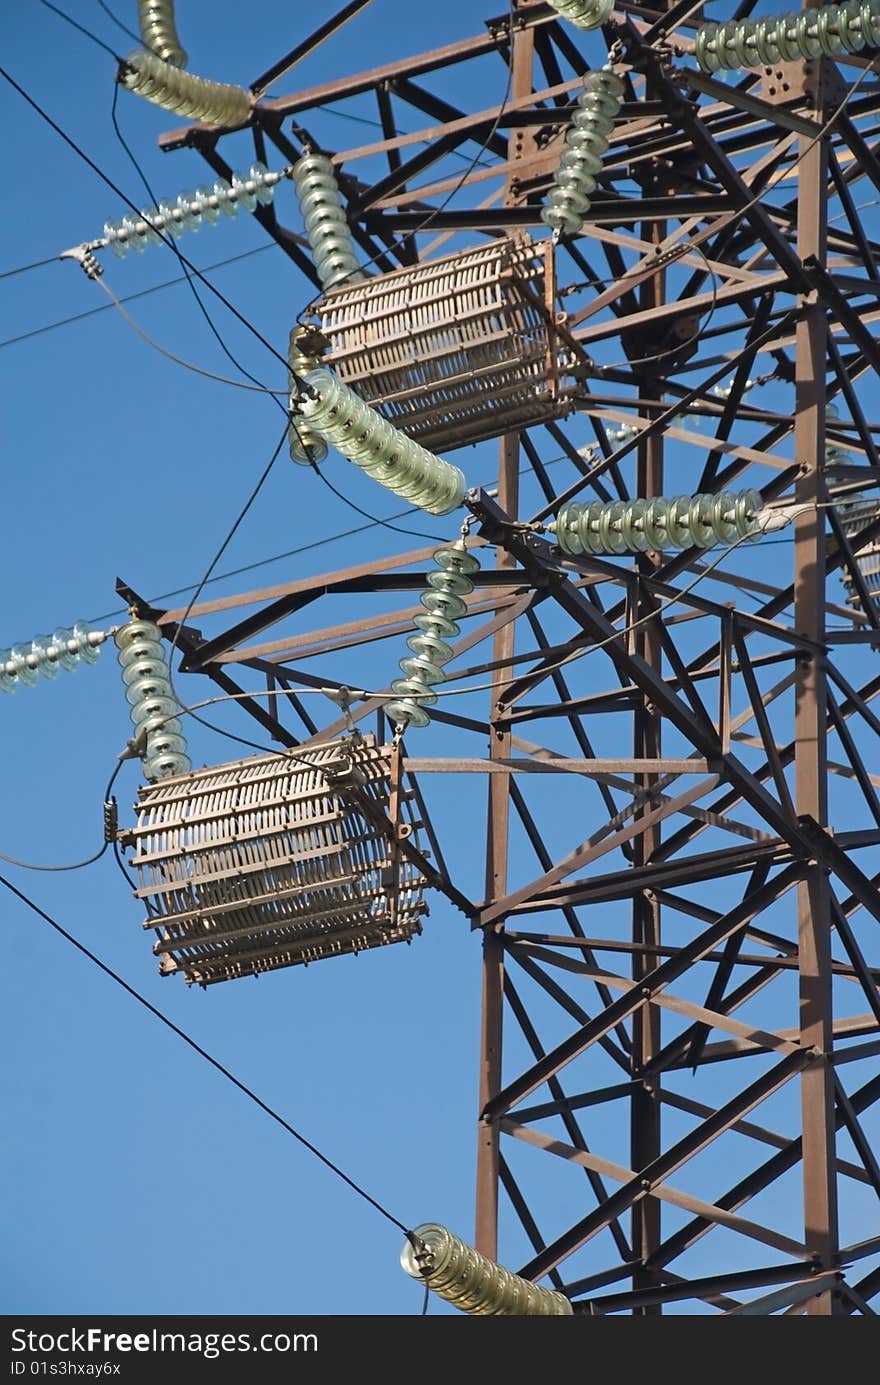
203 1053
663 603
304 548
171 241
255 383
179 360
124 27
24 268
130 297
87 32
432 215
133 207
77 865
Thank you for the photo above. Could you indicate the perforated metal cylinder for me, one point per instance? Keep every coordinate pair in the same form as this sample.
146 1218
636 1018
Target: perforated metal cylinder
453 350
270 862
468 1280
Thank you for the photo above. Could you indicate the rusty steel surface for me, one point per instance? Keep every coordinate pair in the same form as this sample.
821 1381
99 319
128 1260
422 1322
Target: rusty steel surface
677 837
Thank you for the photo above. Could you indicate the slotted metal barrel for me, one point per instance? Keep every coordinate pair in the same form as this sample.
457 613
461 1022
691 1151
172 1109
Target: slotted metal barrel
454 350
273 861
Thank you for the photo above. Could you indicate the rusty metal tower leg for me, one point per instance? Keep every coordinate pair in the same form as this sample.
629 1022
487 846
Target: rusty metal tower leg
498 818
814 913
645 1138
496 886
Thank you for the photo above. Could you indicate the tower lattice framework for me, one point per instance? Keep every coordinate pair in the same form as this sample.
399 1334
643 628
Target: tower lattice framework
676 750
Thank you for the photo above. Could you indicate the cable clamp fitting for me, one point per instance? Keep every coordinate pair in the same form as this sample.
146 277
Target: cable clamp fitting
84 257
773 517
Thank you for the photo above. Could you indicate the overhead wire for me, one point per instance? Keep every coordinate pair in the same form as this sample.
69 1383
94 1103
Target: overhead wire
435 211
72 144
203 1053
76 865
25 268
128 297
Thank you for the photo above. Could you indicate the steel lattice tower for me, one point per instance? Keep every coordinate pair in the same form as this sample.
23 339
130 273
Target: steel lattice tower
680 1007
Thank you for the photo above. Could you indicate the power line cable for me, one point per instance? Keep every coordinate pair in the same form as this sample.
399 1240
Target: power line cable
203 1053
171 241
68 140
126 298
255 383
124 27
87 32
24 268
435 212
77 865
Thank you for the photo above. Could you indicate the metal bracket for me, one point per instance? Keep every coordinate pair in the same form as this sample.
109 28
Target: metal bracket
84 257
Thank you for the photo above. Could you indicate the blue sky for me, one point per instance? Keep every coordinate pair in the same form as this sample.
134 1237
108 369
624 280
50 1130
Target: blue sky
138 1180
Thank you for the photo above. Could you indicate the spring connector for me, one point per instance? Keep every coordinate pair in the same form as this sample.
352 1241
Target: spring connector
585 142
636 526
154 708
111 820
366 438
828 30
304 352
326 227
84 257
585 14
443 608
196 98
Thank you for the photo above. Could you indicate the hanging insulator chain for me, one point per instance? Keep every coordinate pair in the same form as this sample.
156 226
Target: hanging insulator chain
470 1281
635 526
154 708
192 210
324 219
585 14
829 30
585 142
196 98
443 608
159 32
48 655
362 435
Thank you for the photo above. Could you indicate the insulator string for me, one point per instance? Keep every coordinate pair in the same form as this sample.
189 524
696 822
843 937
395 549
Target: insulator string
473 1283
585 142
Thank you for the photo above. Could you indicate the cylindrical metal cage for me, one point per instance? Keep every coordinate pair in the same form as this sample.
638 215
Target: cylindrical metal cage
275 860
457 349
